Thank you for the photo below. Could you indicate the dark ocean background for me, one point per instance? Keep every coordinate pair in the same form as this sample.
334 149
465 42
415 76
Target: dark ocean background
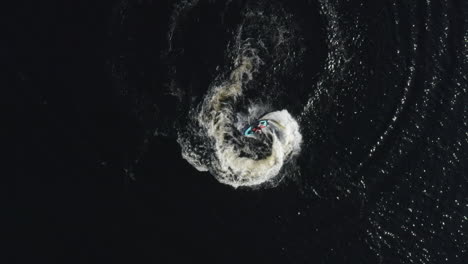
99 92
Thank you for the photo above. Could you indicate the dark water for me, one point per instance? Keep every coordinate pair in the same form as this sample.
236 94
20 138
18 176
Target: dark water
379 90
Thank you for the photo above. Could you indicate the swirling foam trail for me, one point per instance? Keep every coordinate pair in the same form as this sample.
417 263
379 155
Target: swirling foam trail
230 156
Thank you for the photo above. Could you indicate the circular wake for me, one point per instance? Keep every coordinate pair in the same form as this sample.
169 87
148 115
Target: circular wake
378 91
219 122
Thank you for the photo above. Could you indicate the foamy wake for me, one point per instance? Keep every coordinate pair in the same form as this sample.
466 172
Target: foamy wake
215 141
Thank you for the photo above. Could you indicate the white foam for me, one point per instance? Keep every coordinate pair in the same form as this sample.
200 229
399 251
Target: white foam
217 125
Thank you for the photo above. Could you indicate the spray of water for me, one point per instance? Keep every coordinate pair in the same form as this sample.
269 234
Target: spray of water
222 148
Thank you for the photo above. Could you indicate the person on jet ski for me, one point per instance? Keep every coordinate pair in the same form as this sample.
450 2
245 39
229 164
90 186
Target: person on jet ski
256 129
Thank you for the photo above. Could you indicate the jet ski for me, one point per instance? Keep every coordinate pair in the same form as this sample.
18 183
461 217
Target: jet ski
256 128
